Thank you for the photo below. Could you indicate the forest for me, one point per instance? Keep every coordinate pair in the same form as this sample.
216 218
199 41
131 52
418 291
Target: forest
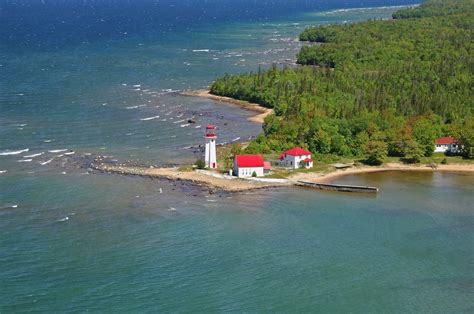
371 89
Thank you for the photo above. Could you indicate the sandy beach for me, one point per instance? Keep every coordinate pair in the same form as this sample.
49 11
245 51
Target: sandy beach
318 177
262 112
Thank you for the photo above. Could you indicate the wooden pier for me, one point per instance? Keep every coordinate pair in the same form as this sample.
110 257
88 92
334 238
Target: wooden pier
338 187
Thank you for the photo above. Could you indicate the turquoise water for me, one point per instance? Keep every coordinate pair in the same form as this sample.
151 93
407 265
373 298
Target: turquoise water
77 241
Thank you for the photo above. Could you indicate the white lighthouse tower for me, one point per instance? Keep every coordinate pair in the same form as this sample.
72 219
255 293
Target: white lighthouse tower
210 158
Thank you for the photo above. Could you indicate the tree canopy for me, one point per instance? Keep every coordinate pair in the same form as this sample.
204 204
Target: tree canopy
392 86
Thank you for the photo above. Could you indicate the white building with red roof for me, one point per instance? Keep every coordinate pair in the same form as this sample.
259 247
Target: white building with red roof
296 158
246 165
447 144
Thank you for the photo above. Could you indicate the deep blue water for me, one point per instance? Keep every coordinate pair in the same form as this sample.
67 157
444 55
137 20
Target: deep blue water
85 76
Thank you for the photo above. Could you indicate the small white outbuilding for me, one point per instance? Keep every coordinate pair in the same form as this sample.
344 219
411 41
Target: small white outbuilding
447 144
246 165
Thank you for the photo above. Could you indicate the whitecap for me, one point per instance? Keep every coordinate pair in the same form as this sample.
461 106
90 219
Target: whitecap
48 141
69 153
17 152
14 206
64 219
161 190
179 121
57 150
171 209
197 127
185 125
137 85
46 162
3 171
33 155
131 107
150 118
24 160
200 50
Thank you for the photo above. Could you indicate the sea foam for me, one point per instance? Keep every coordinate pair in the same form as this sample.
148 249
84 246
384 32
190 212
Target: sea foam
17 152
150 118
33 155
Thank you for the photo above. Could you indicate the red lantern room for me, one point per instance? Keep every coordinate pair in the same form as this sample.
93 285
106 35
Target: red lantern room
211 131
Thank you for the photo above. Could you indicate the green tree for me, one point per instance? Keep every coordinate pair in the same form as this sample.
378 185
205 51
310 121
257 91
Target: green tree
200 164
467 138
412 152
425 132
376 152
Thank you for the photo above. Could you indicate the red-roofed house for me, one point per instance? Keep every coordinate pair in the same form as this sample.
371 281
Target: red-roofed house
296 158
246 165
447 144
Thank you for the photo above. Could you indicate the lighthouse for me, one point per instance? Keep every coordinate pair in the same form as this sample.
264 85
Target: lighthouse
210 158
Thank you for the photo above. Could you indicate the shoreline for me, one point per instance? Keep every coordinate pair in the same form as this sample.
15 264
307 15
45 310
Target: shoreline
213 181
217 181
261 111
318 177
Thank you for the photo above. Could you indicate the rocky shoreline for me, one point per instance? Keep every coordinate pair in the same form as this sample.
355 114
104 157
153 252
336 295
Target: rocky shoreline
174 174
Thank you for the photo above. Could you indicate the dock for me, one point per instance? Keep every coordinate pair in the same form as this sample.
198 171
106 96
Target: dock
338 187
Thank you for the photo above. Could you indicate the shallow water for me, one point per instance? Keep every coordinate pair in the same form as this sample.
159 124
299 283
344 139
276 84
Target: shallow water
75 240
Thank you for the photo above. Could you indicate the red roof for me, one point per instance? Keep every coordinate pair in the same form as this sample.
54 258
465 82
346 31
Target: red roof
446 140
210 126
267 165
298 151
249 160
308 160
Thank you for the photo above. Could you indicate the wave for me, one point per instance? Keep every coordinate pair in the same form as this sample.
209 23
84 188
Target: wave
24 160
150 118
8 153
200 50
57 150
179 121
197 127
131 107
137 85
185 125
3 171
369 8
33 155
48 141
69 153
46 162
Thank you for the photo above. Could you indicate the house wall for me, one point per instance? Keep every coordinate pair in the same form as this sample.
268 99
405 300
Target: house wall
442 148
247 171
